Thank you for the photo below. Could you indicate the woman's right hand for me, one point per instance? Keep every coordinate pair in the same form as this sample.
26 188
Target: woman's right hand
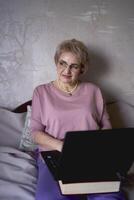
45 140
60 145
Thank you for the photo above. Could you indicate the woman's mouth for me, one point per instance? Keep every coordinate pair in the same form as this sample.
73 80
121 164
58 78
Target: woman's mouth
66 76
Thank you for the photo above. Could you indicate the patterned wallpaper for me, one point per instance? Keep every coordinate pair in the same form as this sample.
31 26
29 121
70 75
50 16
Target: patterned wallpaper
30 31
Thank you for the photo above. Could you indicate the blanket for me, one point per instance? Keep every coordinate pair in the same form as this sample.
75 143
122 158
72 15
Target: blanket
18 175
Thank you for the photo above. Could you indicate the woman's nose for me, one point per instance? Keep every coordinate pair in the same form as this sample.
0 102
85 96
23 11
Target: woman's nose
68 69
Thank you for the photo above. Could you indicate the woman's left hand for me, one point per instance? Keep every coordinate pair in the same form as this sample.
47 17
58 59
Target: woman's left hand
59 145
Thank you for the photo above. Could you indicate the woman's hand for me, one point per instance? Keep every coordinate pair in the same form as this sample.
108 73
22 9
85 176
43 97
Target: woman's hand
59 145
45 140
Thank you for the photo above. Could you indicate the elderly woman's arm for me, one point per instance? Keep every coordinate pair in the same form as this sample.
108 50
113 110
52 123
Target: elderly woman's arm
44 140
104 118
40 137
105 121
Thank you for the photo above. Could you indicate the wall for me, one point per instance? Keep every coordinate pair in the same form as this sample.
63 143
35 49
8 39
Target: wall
30 31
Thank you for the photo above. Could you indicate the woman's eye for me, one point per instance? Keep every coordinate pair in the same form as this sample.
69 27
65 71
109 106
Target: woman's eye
75 66
62 63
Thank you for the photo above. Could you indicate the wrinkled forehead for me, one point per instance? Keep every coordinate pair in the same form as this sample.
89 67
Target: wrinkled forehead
70 57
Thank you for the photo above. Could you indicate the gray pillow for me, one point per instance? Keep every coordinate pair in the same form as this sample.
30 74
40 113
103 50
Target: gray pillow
11 126
26 142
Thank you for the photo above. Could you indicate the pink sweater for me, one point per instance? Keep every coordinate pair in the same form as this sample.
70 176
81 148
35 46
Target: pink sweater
56 112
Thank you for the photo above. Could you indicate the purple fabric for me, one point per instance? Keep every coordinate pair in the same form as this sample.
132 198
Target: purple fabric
108 196
48 189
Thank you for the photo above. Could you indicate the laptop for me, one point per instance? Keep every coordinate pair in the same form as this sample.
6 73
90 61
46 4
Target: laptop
95 154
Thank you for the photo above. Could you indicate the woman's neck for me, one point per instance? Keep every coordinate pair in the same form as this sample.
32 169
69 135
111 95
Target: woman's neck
68 88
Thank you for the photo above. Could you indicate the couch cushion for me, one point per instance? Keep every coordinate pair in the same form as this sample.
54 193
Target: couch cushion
11 126
26 142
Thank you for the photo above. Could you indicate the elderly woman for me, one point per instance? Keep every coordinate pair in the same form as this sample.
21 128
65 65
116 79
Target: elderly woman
55 105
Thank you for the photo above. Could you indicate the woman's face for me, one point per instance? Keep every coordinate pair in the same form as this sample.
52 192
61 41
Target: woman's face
68 68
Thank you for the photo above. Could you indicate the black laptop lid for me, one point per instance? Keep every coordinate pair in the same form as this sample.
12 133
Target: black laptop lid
97 154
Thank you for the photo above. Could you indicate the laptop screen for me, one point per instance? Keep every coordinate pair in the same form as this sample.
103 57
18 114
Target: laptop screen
97 153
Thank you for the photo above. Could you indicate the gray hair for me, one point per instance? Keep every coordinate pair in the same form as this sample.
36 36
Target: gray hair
76 47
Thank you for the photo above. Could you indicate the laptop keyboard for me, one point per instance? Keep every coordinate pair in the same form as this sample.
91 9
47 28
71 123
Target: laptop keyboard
54 159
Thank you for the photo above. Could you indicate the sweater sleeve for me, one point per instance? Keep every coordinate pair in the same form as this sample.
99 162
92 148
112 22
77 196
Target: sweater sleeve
36 122
104 121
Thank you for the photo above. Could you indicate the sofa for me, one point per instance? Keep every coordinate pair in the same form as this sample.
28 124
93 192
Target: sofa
18 171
